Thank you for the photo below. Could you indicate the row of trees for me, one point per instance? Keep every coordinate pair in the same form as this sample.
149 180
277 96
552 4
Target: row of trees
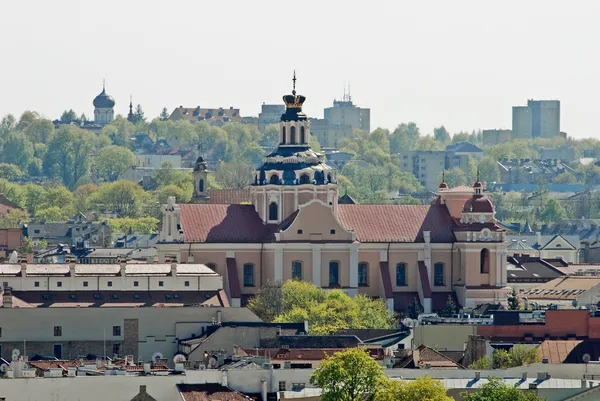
353 375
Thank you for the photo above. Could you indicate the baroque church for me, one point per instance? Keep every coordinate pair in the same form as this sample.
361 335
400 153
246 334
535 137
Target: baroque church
296 227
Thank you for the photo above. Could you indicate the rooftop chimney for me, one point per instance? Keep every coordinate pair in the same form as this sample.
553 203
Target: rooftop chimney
142 389
7 298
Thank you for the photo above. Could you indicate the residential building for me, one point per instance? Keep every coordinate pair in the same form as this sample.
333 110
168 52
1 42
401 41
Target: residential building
491 137
73 233
269 114
427 166
6 206
563 153
566 292
344 112
65 310
524 272
340 121
539 119
295 228
10 239
528 171
556 246
217 116
157 161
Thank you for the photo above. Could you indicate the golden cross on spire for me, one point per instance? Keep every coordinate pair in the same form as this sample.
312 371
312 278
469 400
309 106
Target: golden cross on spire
294 81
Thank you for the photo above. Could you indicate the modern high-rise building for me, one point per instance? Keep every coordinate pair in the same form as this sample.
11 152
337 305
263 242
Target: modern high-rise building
539 119
339 122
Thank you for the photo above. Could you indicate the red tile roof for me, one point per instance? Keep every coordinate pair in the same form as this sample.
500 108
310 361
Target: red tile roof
397 223
557 351
372 223
228 196
6 206
221 223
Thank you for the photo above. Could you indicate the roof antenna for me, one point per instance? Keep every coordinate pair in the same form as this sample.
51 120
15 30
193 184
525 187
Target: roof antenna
349 96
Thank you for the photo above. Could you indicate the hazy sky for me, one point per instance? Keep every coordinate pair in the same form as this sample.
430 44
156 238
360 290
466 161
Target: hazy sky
462 64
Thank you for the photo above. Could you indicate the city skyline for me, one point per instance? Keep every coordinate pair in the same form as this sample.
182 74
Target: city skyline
468 64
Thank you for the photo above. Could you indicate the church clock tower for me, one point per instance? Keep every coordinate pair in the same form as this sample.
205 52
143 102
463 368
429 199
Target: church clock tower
293 174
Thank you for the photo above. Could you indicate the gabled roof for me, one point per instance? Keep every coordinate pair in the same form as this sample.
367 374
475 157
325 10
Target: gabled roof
221 223
464 147
397 223
371 223
557 351
210 392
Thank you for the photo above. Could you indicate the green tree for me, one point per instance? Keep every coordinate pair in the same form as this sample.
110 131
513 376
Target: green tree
10 171
441 135
112 161
326 312
58 196
513 301
124 197
68 155
26 246
271 133
168 176
18 150
404 137
236 174
518 355
51 214
162 194
565 178
350 375
142 225
14 219
68 117
449 308
422 388
7 125
268 302
429 143
27 118
138 115
454 177
40 131
119 131
553 211
489 170
495 389
33 197
164 114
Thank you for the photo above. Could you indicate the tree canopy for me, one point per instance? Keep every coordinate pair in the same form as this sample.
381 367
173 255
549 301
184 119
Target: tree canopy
495 389
326 311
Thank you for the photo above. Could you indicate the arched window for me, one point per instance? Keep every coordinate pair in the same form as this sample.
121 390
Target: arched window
484 261
262 177
363 274
401 274
329 178
201 185
438 274
304 179
293 135
283 136
273 211
302 135
212 266
296 270
274 179
334 274
248 275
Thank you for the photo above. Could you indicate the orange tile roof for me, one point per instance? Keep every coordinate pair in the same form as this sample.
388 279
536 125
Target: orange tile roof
557 351
228 196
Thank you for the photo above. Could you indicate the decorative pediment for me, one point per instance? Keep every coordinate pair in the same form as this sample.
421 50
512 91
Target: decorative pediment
315 221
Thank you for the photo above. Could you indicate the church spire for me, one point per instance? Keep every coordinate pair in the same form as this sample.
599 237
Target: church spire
130 116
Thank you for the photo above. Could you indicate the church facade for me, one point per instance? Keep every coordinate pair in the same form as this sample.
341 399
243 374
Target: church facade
295 228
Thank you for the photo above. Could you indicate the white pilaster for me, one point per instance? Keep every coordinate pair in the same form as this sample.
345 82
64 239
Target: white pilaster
353 265
296 199
427 255
316 266
278 265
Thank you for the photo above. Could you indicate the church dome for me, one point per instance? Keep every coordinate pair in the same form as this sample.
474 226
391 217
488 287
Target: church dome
478 204
104 101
